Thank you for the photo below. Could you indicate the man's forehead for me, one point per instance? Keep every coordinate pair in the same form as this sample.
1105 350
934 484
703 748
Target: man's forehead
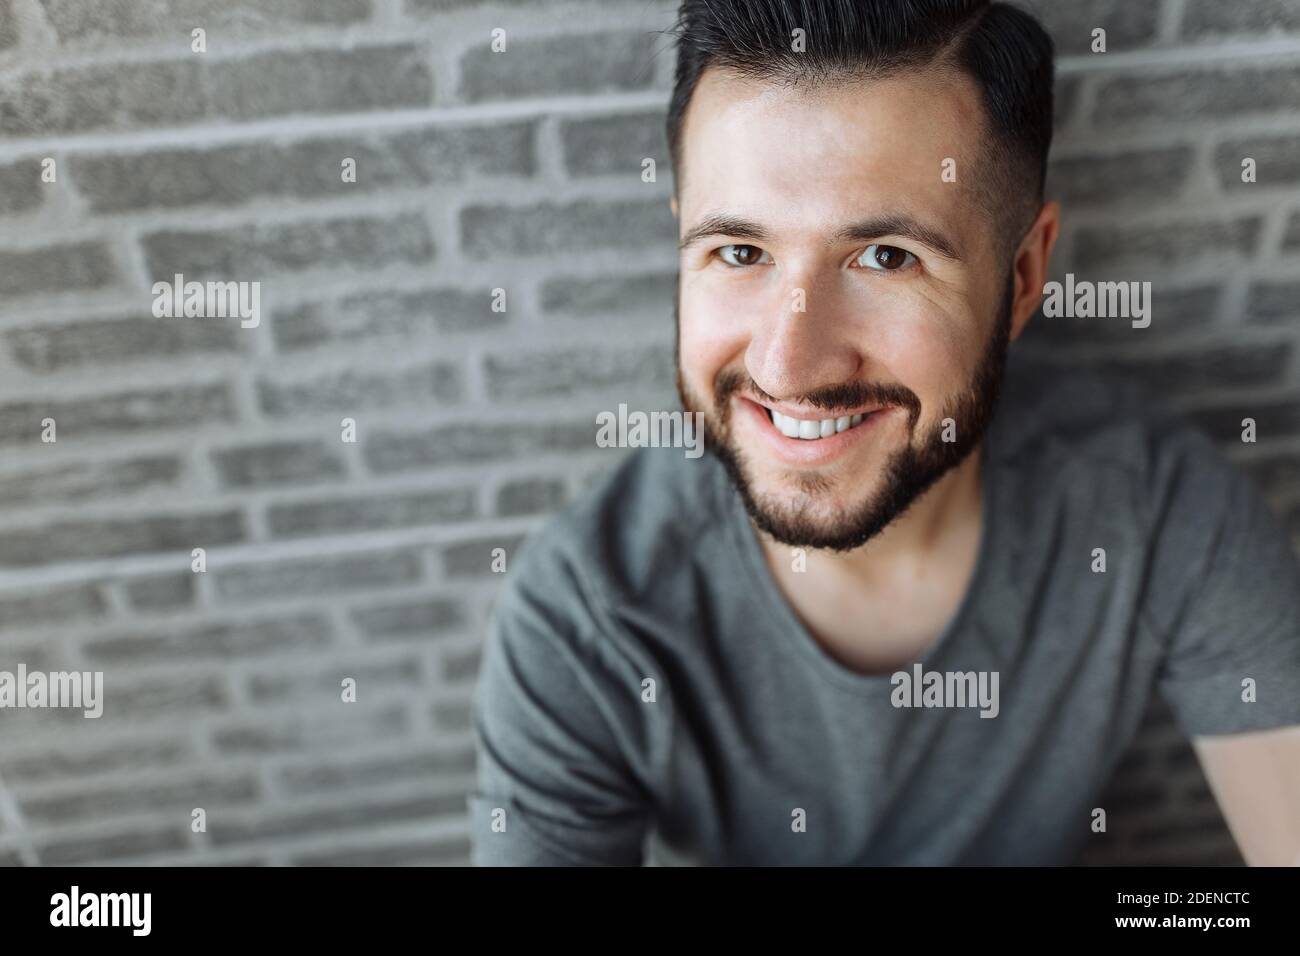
836 151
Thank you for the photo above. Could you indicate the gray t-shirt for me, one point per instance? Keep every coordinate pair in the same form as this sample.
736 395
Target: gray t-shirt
753 746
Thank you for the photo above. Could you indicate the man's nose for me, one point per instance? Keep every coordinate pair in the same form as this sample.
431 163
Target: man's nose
792 352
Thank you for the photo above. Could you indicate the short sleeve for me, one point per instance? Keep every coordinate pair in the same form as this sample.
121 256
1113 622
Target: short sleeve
555 786
1226 594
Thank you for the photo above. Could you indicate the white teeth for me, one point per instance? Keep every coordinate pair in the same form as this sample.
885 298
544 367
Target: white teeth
812 429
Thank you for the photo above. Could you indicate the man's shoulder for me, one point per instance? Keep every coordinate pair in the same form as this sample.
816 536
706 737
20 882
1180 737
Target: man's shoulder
625 537
1054 414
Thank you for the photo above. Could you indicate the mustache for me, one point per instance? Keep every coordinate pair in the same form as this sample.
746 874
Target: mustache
849 395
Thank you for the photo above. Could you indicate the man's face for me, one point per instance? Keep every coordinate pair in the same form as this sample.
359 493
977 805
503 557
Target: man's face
861 282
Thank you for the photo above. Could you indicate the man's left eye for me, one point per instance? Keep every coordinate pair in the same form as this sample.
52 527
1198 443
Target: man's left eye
883 258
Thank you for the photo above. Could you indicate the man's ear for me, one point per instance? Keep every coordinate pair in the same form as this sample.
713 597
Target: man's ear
672 204
1031 266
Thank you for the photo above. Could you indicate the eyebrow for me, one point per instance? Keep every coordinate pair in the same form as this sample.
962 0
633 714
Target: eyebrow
894 224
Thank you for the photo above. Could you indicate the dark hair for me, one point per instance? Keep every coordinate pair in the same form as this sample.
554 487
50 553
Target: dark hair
1003 48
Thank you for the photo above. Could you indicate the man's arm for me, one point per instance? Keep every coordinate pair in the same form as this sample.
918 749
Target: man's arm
556 736
1232 670
1256 779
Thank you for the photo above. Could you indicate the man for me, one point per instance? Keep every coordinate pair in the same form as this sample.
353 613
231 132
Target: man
913 607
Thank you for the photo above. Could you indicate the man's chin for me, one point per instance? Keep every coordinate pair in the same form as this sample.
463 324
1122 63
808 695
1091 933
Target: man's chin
809 508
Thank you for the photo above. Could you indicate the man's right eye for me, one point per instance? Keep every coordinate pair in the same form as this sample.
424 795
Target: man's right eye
741 255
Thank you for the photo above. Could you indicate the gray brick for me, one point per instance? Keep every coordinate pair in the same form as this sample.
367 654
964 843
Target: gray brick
34 654
89 538
1128 25
608 297
391 451
303 634
452 717
586 64
21 189
119 96
122 844
1149 175
372 316
69 267
120 413
461 667
354 391
239 174
448 851
343 727
375 680
473 558
1132 246
1174 313
111 19
570 372
179 694
1065 100
331 820
428 7
81 481
47 348
1274 302
332 516
322 576
294 463
584 225
1273 419
1214 365
8 26
161 592
1291 240
1196 95
55 763
615 145
335 775
1277 162
255 252
1205 18
428 618
530 496
51 606
320 81
175 799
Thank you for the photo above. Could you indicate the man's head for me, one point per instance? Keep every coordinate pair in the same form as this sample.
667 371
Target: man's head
858 185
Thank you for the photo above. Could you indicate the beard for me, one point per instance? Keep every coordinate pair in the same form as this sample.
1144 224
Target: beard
908 472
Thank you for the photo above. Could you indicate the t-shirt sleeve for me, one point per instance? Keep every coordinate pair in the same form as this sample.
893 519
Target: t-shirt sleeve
1226 594
555 784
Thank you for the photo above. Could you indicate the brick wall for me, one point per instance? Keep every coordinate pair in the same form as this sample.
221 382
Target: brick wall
474 171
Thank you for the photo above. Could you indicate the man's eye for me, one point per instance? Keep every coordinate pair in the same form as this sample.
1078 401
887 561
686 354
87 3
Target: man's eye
885 258
741 255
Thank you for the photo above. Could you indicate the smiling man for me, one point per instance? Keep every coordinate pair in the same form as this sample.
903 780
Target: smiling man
783 652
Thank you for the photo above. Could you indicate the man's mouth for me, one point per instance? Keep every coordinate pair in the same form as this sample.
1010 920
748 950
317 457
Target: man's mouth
813 429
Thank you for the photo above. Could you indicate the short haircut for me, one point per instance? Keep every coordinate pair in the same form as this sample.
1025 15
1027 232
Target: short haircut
1004 49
